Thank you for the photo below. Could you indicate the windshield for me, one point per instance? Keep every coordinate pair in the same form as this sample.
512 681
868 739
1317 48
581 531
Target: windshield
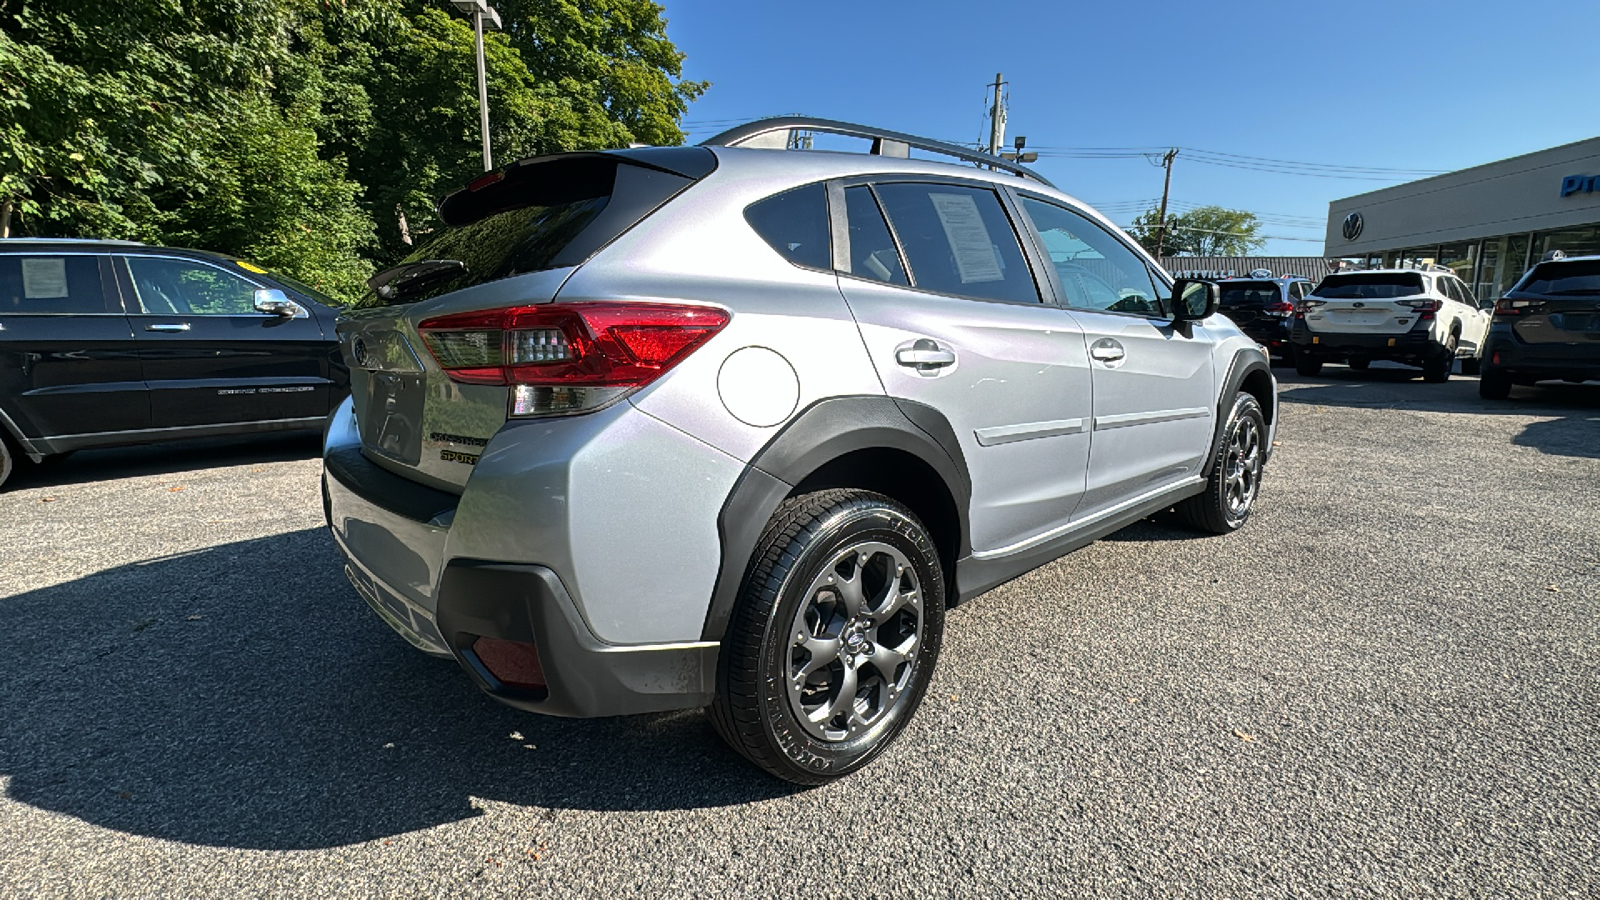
1559 279
1249 293
1369 286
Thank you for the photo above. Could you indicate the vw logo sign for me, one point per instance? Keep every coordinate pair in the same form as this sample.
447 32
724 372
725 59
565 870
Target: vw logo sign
1352 226
358 353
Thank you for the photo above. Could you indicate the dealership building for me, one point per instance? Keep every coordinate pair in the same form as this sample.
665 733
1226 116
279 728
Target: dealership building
1488 223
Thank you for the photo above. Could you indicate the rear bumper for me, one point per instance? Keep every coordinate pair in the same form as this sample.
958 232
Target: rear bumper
396 538
1413 345
1508 354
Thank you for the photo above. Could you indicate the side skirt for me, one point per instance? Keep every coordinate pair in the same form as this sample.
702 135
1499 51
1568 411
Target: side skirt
976 574
65 443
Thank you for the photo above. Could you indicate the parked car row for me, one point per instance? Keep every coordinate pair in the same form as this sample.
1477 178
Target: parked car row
1547 326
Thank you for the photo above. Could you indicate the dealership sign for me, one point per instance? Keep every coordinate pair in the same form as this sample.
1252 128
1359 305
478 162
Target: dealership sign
1573 184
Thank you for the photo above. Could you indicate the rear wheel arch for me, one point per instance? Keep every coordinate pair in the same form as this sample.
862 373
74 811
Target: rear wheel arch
904 450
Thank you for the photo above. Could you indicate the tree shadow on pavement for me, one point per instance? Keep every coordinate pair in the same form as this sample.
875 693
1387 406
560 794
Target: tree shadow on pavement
244 696
167 458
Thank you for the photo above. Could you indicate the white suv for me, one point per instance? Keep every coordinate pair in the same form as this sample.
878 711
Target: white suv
1422 318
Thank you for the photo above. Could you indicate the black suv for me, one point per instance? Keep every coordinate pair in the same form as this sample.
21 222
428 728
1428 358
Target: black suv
109 342
1546 326
1263 308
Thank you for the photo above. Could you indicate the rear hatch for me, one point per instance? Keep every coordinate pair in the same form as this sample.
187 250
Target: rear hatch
510 239
1368 303
1255 306
1556 303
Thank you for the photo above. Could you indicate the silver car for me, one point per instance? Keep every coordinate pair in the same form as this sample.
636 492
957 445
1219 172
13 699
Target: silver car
730 426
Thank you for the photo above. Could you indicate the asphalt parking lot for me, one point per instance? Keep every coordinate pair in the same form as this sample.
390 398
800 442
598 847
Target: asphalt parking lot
1385 685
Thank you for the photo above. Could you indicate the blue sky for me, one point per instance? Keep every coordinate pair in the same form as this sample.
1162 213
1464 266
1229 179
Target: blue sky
1396 85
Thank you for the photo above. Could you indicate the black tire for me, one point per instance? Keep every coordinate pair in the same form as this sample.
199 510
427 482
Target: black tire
1360 365
785 608
8 459
1493 384
1235 473
1436 370
1307 366
1471 365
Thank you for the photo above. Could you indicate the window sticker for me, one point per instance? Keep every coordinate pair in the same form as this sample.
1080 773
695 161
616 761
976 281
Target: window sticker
44 279
969 238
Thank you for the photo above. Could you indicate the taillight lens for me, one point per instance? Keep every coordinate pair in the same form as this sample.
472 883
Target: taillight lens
1425 308
565 358
1280 308
1307 305
1507 306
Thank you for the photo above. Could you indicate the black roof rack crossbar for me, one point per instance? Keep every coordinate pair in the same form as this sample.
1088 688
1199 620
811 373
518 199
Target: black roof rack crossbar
883 142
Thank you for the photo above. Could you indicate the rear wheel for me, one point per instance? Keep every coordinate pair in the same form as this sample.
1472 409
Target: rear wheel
8 459
1494 384
1307 366
1235 479
834 637
1437 369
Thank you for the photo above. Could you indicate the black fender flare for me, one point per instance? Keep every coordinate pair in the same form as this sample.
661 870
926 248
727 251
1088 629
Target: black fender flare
1248 360
821 433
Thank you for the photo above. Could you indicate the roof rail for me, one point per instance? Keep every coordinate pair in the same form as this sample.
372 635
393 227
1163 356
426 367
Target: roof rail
884 143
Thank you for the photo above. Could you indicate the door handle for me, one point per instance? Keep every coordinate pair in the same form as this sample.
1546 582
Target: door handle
162 326
1107 352
924 355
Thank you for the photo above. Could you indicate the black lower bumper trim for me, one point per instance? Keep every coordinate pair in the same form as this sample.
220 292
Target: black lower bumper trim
585 676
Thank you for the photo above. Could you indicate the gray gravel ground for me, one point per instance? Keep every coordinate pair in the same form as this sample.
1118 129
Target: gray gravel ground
1385 685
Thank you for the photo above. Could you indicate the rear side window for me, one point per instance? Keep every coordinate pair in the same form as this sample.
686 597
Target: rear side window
958 240
1370 286
872 250
795 223
50 284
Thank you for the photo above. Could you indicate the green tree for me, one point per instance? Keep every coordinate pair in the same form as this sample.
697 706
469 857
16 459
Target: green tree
302 133
1203 231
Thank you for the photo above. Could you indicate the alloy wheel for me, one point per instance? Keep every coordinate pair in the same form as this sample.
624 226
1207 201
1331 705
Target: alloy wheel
857 634
1243 466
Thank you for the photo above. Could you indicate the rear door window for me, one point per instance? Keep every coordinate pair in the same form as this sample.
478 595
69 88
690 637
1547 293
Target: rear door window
958 240
873 253
795 223
42 283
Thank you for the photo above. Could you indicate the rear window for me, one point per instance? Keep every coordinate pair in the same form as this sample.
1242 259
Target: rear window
1249 293
544 213
1562 279
1369 286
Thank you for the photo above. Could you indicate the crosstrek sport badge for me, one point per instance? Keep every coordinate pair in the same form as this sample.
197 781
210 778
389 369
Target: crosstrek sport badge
470 459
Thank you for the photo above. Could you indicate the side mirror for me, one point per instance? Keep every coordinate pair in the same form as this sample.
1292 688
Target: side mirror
276 303
1194 300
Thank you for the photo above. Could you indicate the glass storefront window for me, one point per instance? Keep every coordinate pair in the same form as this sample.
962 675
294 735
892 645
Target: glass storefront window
1583 241
1460 259
1417 257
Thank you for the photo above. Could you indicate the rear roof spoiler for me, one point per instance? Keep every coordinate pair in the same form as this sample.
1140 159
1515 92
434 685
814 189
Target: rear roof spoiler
884 142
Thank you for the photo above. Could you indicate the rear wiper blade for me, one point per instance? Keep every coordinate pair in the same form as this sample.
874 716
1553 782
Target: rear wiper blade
389 283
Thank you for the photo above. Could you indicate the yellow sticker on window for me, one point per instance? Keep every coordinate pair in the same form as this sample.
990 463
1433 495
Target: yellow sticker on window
250 267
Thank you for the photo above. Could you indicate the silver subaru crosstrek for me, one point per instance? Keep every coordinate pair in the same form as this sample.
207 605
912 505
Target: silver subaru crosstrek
730 426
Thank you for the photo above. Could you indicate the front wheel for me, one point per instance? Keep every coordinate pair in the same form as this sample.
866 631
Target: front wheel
834 636
8 459
1360 365
1471 365
1235 478
1436 370
1307 366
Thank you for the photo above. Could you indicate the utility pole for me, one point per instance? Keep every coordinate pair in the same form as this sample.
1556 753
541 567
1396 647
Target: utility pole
1161 217
997 118
481 11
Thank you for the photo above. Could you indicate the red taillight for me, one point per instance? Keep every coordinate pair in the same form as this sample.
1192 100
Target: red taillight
564 358
1307 304
1425 308
1280 308
1516 306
